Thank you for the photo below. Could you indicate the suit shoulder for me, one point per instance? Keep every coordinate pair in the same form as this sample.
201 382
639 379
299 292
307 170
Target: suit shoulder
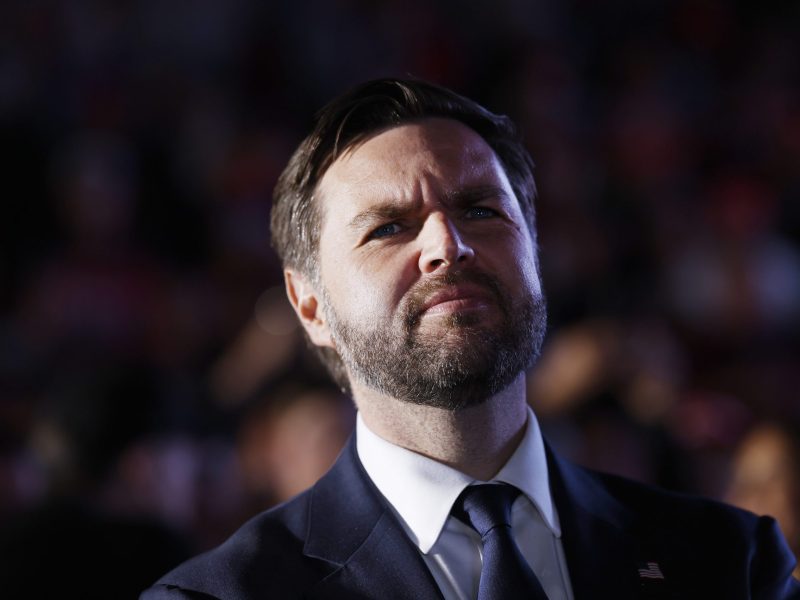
264 555
657 505
702 531
700 528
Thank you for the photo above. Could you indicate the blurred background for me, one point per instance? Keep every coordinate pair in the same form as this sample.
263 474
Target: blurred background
155 390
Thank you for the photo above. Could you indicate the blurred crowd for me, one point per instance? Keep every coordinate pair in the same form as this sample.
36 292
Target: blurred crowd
154 388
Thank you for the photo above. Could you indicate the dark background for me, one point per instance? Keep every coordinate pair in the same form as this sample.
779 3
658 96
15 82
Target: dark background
154 390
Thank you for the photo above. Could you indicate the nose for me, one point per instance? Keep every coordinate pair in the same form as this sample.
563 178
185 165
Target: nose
442 246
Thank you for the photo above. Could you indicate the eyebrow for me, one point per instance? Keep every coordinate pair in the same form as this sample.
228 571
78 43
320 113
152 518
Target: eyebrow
384 211
471 195
390 210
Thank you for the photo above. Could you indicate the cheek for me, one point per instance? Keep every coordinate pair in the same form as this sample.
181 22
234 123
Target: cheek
531 274
363 295
527 260
516 262
523 276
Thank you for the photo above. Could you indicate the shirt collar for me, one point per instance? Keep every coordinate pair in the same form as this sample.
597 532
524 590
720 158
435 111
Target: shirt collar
422 491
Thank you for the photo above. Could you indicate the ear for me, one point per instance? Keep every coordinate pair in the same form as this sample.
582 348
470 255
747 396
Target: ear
307 304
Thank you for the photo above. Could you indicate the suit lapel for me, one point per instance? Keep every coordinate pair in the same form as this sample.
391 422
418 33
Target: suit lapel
351 526
596 535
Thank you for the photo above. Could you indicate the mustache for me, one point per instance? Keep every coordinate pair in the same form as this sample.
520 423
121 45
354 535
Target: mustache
421 292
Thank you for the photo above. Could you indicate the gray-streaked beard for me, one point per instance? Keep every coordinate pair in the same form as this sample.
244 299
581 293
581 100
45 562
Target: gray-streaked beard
462 367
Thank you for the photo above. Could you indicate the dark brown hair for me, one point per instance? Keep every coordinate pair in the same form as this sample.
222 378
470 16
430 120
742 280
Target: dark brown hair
351 119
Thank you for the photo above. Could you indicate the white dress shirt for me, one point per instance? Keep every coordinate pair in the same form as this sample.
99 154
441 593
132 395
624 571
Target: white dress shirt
422 491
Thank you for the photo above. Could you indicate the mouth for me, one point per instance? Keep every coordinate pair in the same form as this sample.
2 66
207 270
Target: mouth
455 299
463 297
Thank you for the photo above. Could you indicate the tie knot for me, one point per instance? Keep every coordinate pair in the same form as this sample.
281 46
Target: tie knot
486 506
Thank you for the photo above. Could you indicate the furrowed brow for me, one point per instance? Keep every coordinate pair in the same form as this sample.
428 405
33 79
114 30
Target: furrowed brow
377 214
472 195
392 210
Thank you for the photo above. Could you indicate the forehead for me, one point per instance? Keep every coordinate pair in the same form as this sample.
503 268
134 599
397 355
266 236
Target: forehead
432 151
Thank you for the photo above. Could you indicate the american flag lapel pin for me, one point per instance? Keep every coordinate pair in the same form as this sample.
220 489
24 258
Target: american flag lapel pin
650 570
652 583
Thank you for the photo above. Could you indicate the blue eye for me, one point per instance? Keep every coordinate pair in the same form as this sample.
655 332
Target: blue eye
481 212
385 231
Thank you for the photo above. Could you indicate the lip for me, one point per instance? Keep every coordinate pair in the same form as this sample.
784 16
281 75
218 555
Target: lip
455 299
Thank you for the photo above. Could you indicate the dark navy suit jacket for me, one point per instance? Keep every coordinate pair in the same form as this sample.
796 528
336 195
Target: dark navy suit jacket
621 540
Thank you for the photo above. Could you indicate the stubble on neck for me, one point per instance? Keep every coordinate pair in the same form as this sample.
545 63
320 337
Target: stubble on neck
477 440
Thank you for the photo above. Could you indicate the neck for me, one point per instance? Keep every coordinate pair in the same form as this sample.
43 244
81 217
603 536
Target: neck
477 441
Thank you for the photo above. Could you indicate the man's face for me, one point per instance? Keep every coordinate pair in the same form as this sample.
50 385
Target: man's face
429 287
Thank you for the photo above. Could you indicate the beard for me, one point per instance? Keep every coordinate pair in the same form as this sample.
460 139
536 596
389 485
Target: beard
461 363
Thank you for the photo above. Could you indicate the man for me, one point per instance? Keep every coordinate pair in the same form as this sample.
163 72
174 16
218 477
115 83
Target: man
405 223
